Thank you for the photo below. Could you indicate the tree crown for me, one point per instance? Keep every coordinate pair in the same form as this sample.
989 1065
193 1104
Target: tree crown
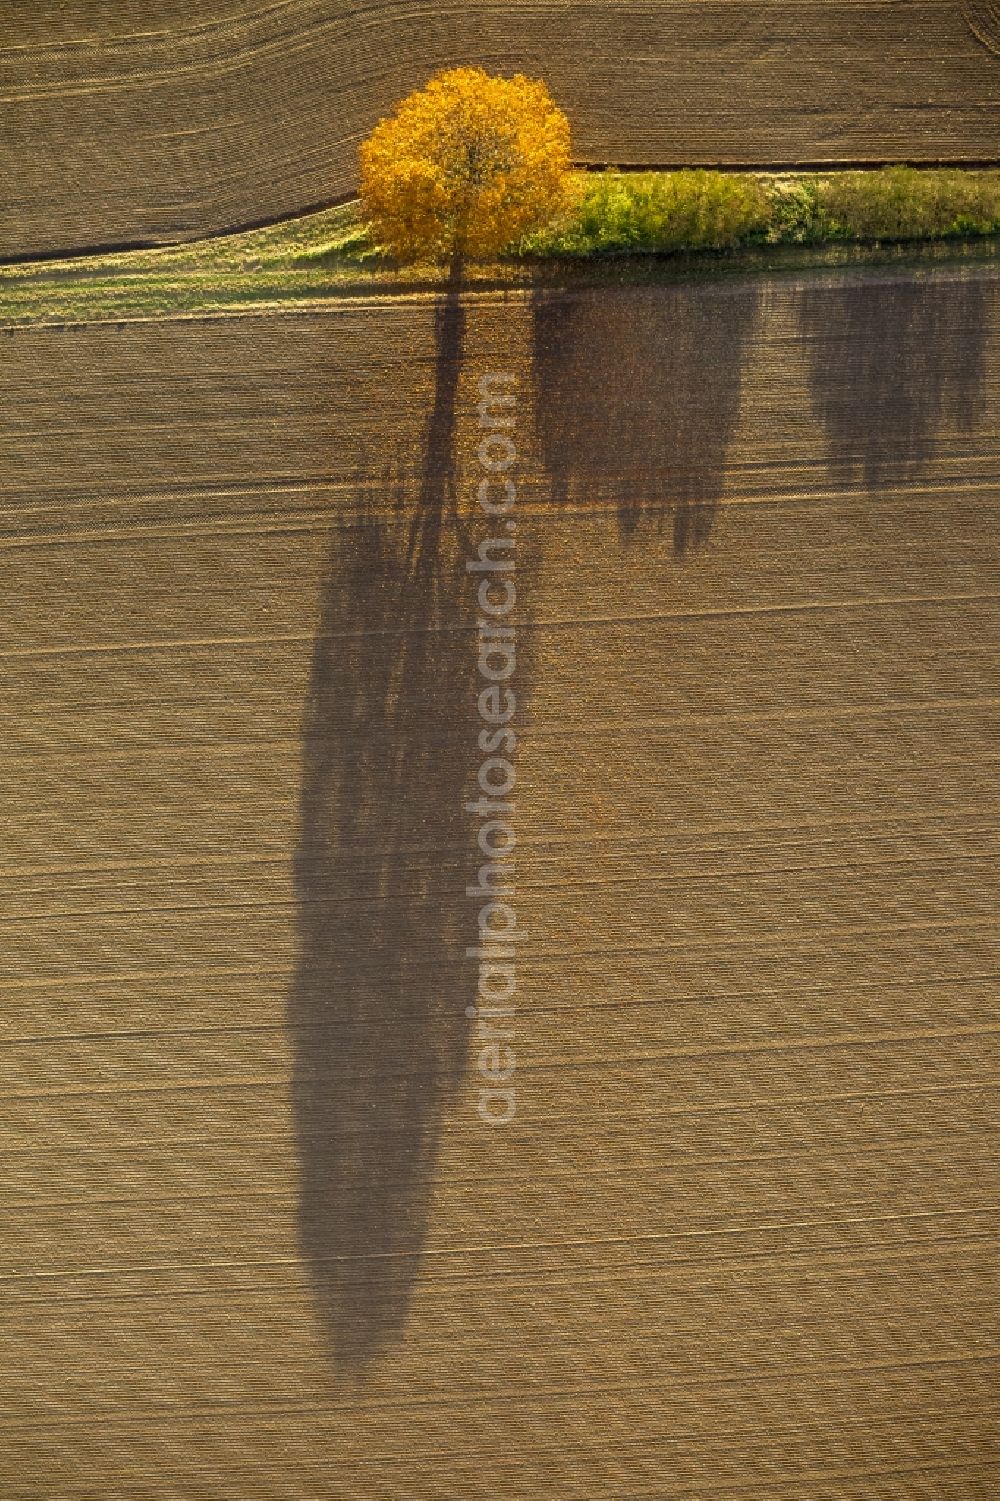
466 166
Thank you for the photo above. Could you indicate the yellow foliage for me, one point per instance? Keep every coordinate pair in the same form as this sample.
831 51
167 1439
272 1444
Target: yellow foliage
465 167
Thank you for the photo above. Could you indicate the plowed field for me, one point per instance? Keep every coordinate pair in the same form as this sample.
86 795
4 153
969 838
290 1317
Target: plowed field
169 119
738 1241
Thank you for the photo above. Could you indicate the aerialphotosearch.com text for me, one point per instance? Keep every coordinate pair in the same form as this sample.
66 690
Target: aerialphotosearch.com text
493 575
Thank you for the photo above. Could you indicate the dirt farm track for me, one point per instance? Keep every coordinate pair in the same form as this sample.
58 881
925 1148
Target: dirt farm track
163 119
738 1241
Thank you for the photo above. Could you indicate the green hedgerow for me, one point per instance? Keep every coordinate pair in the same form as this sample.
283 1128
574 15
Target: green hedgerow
698 209
656 211
795 215
904 203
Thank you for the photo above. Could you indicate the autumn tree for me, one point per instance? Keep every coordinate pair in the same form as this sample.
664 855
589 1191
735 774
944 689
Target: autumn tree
465 166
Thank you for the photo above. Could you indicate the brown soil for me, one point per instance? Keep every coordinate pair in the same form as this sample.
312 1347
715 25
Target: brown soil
257 1241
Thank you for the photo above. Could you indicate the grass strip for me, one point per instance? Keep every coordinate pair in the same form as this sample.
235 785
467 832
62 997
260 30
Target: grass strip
618 226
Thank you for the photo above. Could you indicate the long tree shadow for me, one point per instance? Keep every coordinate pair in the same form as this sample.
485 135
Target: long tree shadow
637 394
890 361
377 1009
